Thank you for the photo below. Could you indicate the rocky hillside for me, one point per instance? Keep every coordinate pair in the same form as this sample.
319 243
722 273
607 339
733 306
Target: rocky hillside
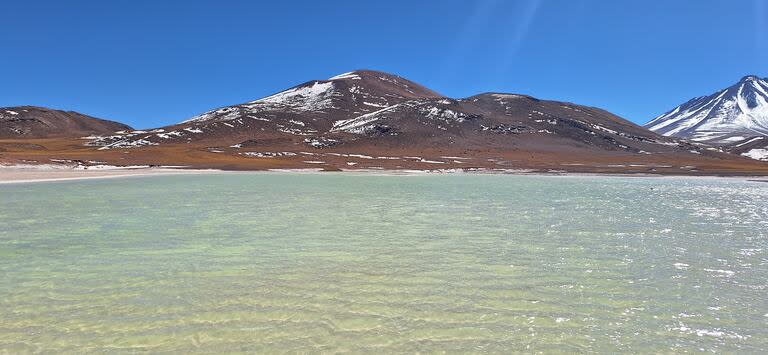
370 109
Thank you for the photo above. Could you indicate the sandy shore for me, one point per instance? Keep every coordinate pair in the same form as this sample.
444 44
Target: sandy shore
25 174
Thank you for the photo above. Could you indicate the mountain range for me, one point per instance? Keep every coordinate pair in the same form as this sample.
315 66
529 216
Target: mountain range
375 120
366 107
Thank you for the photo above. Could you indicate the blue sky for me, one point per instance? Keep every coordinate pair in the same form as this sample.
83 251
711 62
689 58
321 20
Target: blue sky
151 63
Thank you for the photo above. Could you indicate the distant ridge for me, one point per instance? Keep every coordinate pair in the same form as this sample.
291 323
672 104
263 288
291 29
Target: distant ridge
40 122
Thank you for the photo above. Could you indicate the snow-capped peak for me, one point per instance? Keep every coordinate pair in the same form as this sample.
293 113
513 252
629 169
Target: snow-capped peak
749 79
729 115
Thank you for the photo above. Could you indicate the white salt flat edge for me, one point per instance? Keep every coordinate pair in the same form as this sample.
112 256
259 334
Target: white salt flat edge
7 173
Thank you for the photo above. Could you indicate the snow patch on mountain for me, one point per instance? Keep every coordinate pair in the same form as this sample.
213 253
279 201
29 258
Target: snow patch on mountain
356 124
350 75
222 114
311 93
757 154
314 97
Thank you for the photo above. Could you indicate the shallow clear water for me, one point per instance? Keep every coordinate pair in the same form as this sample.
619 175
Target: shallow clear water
331 262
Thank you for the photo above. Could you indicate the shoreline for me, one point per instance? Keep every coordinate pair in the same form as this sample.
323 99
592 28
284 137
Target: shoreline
21 175
41 174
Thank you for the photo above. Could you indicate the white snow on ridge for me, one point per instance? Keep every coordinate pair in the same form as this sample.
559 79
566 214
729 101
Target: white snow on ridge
128 144
749 141
354 124
222 114
310 94
373 104
349 75
500 96
169 135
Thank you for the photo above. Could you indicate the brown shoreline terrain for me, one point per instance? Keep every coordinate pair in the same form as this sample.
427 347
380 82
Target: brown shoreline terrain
71 152
368 120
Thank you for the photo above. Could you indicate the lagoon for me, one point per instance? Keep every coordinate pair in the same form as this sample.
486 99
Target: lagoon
341 262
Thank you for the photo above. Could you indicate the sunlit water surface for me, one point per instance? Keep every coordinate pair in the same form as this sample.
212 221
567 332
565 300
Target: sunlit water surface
331 262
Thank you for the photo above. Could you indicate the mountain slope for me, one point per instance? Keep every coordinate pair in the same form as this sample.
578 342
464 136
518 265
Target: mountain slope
38 122
728 116
496 120
301 112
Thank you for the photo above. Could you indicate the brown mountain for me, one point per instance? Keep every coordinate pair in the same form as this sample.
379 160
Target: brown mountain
38 122
365 108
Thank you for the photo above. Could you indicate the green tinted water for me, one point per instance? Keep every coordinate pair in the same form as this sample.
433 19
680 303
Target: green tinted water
326 263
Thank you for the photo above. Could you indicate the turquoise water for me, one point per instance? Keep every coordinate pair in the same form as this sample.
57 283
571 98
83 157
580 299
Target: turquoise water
346 263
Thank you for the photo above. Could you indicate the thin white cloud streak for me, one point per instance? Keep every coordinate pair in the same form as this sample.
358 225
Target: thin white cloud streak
519 21
480 17
520 28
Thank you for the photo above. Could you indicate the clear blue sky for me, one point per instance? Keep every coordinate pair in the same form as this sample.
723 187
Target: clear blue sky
150 63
